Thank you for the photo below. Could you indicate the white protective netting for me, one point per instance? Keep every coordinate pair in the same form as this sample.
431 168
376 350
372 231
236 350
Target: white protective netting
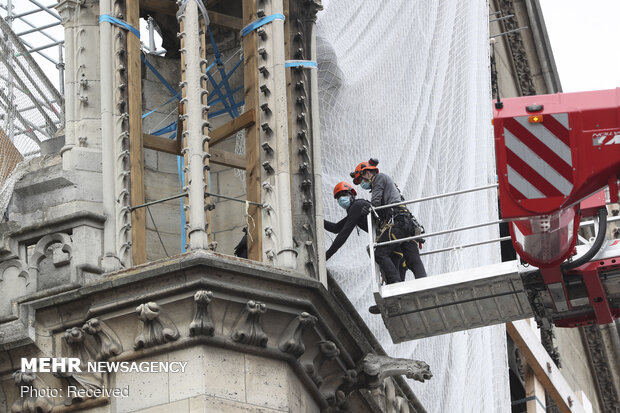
408 82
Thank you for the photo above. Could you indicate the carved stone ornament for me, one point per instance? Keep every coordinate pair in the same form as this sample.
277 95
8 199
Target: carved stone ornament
313 359
388 401
290 341
519 56
604 375
335 388
154 331
34 400
373 369
15 263
248 328
74 346
202 325
61 255
108 344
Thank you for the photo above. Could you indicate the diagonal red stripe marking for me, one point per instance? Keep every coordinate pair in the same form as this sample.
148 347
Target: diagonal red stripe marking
516 193
539 148
556 128
530 175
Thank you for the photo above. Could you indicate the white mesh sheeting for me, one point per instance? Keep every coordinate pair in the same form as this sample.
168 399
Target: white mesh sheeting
407 82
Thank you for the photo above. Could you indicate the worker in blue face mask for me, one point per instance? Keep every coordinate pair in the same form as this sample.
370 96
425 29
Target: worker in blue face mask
395 222
357 209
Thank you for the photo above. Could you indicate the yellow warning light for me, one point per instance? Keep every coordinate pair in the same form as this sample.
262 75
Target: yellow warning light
535 118
492 121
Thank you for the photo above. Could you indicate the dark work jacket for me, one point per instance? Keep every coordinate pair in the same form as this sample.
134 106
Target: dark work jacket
383 191
345 226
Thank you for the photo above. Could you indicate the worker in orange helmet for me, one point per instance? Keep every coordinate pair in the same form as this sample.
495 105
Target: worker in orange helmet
395 222
357 209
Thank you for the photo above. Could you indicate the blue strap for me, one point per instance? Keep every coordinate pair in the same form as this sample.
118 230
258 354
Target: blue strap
301 63
177 96
120 23
260 22
160 77
166 129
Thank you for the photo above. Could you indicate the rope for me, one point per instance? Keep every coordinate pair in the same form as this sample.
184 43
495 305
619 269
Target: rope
247 221
157 231
260 22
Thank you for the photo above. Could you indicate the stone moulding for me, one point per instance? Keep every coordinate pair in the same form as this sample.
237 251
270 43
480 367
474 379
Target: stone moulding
202 325
14 263
154 331
248 328
291 339
327 364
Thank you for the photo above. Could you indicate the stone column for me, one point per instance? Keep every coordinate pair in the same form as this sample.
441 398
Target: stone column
276 188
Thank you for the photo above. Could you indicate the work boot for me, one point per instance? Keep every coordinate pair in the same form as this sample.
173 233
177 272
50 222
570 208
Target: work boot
374 309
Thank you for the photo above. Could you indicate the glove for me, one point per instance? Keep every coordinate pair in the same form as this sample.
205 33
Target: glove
365 210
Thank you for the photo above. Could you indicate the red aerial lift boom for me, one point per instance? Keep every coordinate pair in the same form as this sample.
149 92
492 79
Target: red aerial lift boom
553 152
555 155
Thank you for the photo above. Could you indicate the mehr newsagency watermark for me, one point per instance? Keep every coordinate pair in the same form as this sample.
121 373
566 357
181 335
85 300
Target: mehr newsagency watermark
75 365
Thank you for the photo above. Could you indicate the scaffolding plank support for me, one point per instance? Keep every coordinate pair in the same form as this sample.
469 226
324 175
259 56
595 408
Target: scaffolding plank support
226 158
252 137
161 144
243 121
136 152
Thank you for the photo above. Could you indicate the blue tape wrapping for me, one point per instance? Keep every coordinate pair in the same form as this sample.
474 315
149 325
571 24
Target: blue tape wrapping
260 22
120 23
301 63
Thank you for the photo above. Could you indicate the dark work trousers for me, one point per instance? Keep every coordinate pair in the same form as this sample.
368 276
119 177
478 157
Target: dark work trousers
402 228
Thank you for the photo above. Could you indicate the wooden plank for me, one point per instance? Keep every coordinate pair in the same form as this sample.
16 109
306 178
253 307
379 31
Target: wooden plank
136 152
225 20
245 120
170 8
227 159
543 367
252 137
534 391
160 144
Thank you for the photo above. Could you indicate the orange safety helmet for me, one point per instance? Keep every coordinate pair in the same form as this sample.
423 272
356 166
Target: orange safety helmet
359 170
342 187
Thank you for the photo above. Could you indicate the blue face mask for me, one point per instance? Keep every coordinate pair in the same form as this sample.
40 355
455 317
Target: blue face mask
365 185
344 201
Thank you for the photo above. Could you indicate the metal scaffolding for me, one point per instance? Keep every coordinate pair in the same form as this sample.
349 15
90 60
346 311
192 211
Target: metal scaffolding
32 50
